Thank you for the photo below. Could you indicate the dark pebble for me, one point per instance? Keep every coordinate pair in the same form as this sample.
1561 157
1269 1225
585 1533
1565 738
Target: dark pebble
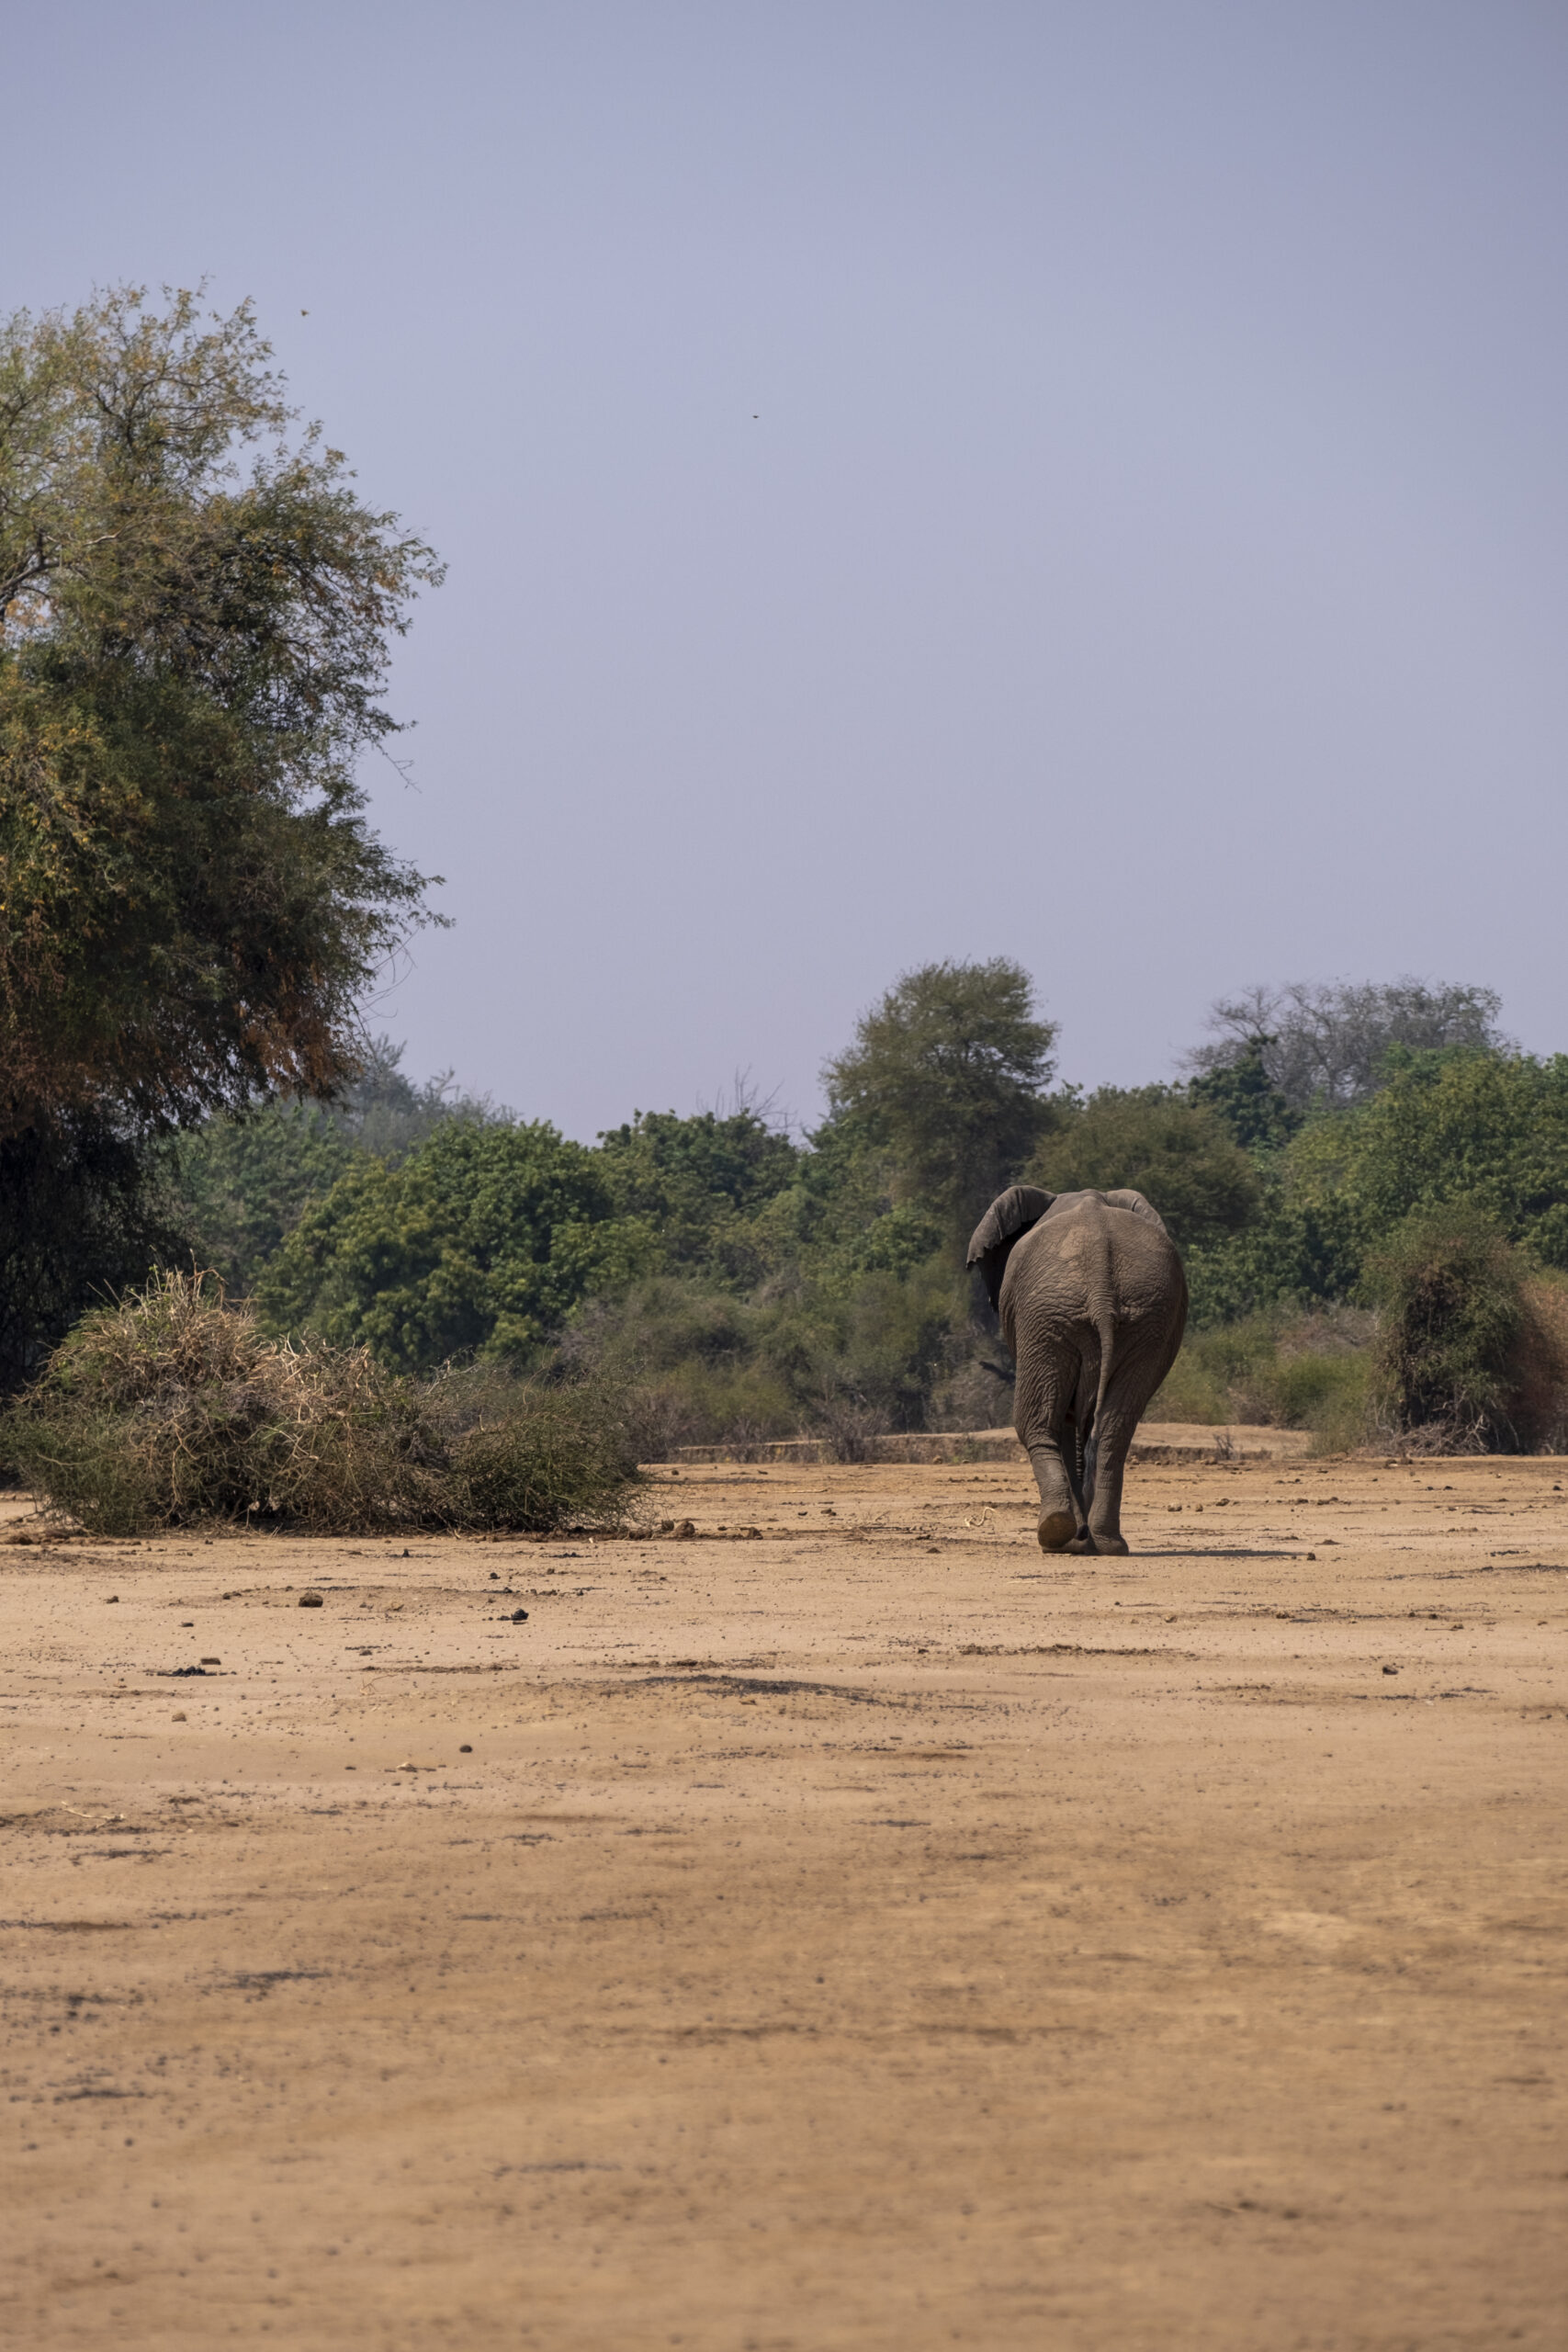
311 1601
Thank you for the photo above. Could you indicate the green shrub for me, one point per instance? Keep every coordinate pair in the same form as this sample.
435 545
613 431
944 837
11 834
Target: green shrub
1325 1394
1190 1392
515 1454
172 1409
1539 1404
1450 1291
689 1361
1299 1372
697 1366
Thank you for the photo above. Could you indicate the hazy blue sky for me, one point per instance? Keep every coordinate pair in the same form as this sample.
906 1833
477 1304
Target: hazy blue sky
1084 482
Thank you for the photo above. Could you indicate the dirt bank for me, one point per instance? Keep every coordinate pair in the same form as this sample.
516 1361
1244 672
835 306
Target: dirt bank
863 1933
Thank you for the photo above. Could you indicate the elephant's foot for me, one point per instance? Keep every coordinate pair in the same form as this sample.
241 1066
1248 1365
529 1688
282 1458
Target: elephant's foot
1083 1542
1058 1529
1115 1547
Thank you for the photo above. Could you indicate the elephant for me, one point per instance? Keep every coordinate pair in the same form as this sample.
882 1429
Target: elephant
1093 1303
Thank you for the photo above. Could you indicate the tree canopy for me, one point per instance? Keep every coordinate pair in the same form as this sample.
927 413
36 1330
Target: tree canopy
1242 1094
947 1078
196 609
689 1177
478 1244
1181 1155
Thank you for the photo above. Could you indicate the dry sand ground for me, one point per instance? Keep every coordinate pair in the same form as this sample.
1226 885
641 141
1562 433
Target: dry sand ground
871 1935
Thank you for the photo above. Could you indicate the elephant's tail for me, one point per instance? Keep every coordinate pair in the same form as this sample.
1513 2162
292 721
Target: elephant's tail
1105 1331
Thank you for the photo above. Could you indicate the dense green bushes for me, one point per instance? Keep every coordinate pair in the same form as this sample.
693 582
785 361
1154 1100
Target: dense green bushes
1453 1127
1466 1351
479 1244
743 1286
733 1282
1486 1129
699 1364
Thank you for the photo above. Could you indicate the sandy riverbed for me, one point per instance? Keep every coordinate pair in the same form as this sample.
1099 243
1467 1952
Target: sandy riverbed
865 1933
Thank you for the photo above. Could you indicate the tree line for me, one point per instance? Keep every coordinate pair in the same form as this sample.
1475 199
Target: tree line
757 1281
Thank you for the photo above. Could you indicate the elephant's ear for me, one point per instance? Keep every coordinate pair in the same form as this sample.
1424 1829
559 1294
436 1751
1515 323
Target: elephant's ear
1009 1216
1138 1206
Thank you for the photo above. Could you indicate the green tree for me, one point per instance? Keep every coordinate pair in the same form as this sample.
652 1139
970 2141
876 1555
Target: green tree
480 1243
1449 1129
83 1216
698 1181
1181 1155
1243 1094
192 658
945 1083
195 614
238 1187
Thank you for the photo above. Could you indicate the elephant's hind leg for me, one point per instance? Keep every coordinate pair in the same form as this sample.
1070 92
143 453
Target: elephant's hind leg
1062 1513
1047 1380
1114 1436
1058 1527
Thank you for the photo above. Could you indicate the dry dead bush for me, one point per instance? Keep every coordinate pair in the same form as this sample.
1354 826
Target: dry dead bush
170 1408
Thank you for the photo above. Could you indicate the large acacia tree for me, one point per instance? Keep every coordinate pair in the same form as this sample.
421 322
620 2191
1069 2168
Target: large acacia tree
195 612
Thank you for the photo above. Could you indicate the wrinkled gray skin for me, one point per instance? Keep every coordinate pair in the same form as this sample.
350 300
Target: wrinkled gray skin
1093 1303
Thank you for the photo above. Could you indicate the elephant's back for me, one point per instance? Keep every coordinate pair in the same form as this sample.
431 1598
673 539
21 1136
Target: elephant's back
1109 1256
